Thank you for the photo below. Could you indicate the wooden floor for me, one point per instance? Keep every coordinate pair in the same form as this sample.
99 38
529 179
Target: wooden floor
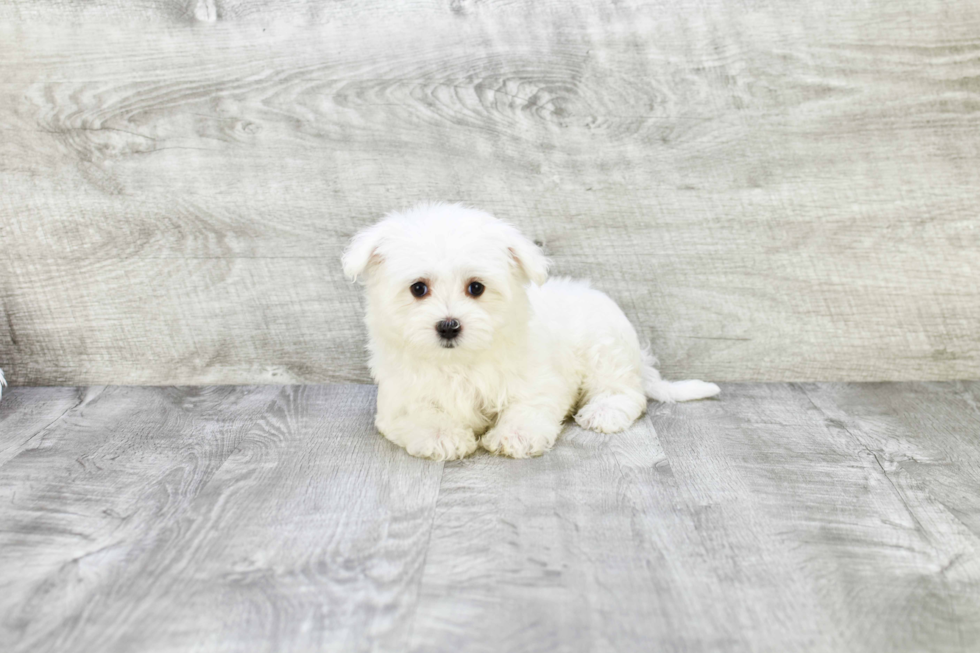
785 517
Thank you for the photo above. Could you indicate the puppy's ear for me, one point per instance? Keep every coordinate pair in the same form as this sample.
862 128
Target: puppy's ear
362 250
529 258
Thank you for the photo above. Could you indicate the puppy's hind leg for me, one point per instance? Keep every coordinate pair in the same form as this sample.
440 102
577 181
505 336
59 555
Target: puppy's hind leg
615 390
610 413
612 390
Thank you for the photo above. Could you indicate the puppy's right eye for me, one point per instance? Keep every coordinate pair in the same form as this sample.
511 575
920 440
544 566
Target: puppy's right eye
419 289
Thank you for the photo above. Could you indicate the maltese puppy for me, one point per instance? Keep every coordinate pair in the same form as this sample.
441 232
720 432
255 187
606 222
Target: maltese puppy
470 344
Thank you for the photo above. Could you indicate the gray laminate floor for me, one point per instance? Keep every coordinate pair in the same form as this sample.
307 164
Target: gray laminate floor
777 518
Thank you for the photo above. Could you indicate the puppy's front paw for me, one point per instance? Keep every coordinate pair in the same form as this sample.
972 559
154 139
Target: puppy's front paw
520 438
440 443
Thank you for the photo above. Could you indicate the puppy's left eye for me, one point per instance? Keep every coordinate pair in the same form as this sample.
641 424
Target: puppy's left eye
475 289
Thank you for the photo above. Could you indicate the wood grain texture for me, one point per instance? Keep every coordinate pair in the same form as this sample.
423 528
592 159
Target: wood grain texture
27 417
753 523
817 517
310 529
771 190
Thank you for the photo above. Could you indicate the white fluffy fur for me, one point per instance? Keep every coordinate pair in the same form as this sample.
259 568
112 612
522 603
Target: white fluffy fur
530 351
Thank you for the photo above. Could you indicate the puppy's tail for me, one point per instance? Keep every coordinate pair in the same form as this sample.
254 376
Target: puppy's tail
671 391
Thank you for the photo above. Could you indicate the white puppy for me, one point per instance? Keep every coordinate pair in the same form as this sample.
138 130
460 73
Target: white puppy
467 339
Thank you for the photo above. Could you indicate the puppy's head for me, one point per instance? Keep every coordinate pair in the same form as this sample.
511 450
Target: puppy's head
445 279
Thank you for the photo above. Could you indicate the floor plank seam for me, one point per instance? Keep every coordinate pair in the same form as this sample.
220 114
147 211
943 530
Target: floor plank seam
57 419
901 497
425 561
919 527
968 397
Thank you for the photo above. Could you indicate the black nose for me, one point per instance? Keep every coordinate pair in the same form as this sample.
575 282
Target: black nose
449 329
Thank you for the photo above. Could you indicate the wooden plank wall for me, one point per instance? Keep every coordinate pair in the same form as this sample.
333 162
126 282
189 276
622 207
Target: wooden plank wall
772 189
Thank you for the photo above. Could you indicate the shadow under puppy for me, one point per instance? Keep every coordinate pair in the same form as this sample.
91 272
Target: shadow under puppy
469 341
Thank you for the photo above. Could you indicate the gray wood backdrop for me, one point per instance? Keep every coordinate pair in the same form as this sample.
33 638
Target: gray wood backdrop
772 189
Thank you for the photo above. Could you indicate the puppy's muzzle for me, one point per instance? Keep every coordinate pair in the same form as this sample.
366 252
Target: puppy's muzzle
448 329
